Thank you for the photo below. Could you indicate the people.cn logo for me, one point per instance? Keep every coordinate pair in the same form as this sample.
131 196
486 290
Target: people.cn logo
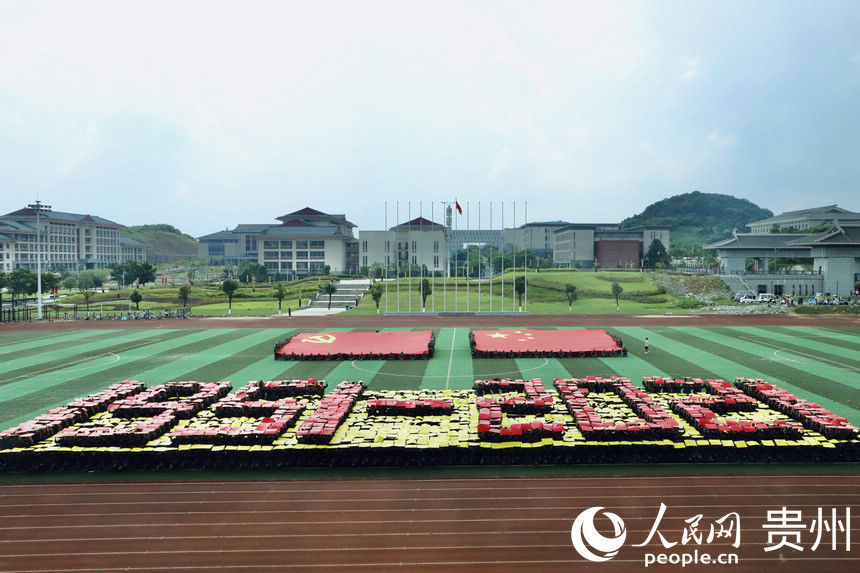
591 544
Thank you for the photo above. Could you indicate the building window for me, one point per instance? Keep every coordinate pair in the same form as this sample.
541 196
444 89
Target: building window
301 244
435 246
270 255
364 246
286 244
302 266
317 254
301 254
317 244
286 254
286 266
364 260
270 244
317 266
436 261
271 266
414 247
387 246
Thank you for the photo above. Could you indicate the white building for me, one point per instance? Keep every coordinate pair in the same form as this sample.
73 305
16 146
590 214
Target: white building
69 241
304 243
804 219
419 241
538 237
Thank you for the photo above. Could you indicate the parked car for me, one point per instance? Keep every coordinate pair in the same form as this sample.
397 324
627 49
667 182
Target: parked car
748 299
766 297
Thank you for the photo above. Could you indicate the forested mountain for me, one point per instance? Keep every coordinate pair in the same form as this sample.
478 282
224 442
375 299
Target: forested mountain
697 218
166 242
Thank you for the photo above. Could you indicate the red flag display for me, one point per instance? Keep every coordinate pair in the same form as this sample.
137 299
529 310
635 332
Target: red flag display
523 342
459 209
356 345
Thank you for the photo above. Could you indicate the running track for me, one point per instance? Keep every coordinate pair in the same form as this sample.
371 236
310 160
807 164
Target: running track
470 523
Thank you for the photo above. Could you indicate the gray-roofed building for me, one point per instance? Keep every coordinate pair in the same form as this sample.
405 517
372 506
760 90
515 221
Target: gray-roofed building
71 241
583 244
803 219
305 242
834 255
419 241
132 249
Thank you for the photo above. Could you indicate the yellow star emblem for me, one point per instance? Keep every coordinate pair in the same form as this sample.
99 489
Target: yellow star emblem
498 335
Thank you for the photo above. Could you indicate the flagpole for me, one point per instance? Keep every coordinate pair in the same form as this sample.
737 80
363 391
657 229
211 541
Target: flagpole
503 257
526 266
447 262
409 254
387 257
467 273
492 269
514 262
456 266
397 236
480 261
420 264
433 275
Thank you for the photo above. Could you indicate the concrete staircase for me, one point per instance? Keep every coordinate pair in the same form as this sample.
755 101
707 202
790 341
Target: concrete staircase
347 291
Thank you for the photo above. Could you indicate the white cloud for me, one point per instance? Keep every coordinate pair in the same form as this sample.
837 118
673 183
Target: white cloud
717 139
691 68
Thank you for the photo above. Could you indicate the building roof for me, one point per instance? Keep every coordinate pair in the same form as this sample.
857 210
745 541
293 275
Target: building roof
11 226
219 236
826 212
310 214
753 241
289 232
545 224
594 226
129 242
27 213
251 227
838 234
5 237
419 223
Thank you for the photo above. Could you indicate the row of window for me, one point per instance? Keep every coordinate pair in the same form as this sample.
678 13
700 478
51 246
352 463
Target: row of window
289 244
286 267
273 255
401 246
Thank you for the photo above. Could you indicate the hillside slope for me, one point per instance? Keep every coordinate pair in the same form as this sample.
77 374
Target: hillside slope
697 218
166 243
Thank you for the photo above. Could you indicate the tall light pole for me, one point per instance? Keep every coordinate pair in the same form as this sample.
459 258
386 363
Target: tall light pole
38 207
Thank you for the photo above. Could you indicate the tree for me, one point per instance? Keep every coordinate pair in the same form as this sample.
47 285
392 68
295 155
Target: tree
184 293
710 260
657 257
50 281
376 290
86 285
191 274
572 295
229 286
136 297
4 279
329 289
21 282
520 289
70 283
280 294
250 271
426 290
616 292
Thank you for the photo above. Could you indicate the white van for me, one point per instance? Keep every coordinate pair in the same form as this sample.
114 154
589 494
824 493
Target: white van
766 297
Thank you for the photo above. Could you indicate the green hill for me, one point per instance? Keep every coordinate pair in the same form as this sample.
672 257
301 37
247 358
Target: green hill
166 242
698 218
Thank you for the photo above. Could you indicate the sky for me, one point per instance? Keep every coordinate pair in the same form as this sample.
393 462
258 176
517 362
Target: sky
205 115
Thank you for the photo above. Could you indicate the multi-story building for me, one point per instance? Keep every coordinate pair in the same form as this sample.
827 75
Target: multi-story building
538 237
420 242
804 219
69 241
304 243
583 245
132 249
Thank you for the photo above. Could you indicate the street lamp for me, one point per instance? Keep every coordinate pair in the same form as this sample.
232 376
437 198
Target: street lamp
38 207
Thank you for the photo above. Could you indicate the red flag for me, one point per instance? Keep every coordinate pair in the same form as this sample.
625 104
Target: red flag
459 209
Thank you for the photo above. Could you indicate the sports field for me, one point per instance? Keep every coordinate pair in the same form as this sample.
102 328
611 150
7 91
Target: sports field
41 370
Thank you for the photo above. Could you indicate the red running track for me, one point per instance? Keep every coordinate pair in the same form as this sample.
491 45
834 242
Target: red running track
358 343
466 524
525 341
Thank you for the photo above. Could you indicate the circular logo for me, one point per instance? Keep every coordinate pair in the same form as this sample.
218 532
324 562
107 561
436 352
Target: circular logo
591 544
319 338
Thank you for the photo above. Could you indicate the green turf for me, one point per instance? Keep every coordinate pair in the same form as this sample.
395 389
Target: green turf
38 373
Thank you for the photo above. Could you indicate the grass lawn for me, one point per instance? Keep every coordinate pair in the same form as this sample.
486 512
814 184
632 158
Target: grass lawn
39 371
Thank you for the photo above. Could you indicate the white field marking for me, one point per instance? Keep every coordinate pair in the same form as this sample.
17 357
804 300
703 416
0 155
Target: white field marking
73 363
545 362
359 510
450 359
117 358
334 566
799 353
34 339
777 354
418 499
829 487
805 479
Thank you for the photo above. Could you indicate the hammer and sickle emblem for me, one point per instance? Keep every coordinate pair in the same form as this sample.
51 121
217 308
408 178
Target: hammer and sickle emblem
319 339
